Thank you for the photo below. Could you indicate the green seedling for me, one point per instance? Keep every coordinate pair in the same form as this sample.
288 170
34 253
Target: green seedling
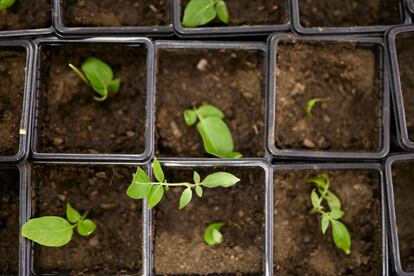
321 194
98 75
56 231
4 4
212 235
311 104
216 135
200 12
142 187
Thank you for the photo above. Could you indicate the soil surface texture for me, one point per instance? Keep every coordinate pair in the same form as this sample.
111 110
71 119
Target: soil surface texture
405 54
108 13
403 179
71 121
179 247
27 14
116 244
299 245
9 221
232 80
251 13
342 74
12 76
349 13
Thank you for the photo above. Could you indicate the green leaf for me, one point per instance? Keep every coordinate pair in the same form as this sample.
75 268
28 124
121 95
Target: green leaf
341 236
114 85
190 117
140 186
333 201
86 227
315 199
325 223
311 103
234 155
155 195
72 215
220 179
199 191
208 110
185 198
222 11
4 4
48 231
158 172
319 181
212 235
336 214
198 13
196 177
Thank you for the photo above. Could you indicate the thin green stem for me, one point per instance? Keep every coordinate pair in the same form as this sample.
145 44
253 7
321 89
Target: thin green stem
186 184
79 73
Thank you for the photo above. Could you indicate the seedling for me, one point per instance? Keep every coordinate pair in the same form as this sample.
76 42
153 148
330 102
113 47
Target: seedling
215 133
212 235
311 104
4 4
56 231
98 75
142 187
321 194
201 12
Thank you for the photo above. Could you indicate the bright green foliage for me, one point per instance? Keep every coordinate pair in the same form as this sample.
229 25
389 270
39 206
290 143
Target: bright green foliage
216 135
212 235
99 76
4 4
142 187
56 231
201 12
311 104
322 194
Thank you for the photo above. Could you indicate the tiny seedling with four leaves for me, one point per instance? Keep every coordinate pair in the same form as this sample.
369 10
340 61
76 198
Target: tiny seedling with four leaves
5 4
200 12
56 231
212 235
320 195
216 135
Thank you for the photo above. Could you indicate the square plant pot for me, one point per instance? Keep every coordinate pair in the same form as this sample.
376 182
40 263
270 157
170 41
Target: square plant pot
343 17
243 208
247 18
27 18
401 45
348 80
116 245
97 17
15 67
230 76
70 124
12 198
400 193
300 248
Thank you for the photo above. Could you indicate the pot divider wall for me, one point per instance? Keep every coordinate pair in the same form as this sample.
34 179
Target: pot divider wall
410 5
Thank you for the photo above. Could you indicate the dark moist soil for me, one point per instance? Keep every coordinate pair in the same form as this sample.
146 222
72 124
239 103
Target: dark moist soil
405 54
9 221
232 80
250 13
299 245
403 179
108 13
179 247
71 121
12 75
350 120
115 246
27 14
350 13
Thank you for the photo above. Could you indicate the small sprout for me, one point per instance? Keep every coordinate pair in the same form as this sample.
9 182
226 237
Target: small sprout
4 4
320 194
311 104
142 187
216 135
98 75
56 231
212 235
200 12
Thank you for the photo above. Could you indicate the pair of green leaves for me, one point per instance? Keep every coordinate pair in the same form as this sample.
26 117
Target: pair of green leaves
201 12
4 4
56 231
99 76
216 135
320 194
142 187
212 235
311 104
